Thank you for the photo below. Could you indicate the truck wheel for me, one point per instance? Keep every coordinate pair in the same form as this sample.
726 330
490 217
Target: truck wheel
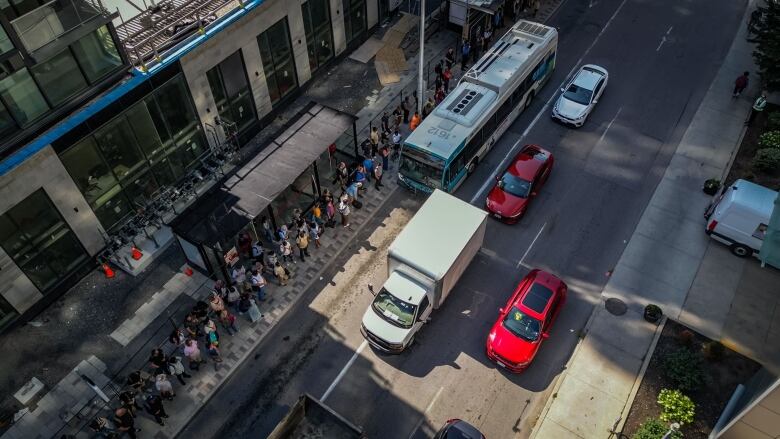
472 165
741 250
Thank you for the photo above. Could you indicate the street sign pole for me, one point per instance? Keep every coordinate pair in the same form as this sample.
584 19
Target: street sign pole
421 78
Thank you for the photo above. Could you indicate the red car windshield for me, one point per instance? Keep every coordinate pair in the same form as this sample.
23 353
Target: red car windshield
522 325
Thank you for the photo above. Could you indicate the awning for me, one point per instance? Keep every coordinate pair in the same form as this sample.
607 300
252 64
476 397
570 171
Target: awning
487 6
218 216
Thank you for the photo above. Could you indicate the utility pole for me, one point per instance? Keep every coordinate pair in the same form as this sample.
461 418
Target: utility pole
421 80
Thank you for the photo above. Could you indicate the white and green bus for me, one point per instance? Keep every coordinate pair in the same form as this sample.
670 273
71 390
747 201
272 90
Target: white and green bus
452 140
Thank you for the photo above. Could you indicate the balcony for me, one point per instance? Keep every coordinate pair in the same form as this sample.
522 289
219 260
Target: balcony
52 20
148 35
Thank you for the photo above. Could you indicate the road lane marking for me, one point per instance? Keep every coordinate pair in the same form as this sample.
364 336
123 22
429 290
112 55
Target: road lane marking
344 371
663 38
530 246
425 413
511 153
604 134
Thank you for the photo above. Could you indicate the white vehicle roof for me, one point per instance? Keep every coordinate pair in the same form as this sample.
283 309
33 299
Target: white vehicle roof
482 88
587 78
437 234
756 198
412 291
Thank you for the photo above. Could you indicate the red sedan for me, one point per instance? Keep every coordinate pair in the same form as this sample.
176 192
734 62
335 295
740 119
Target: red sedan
526 320
522 180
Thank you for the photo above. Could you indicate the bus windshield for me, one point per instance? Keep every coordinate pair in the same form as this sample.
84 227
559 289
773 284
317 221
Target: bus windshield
423 169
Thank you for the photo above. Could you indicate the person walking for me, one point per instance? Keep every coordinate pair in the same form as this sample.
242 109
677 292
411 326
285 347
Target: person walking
415 122
192 352
281 274
164 386
302 241
125 423
465 50
154 405
176 368
344 210
449 58
758 107
285 249
740 84
258 283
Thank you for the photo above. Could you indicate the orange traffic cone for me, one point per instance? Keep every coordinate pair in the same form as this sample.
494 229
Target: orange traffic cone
108 271
135 253
188 270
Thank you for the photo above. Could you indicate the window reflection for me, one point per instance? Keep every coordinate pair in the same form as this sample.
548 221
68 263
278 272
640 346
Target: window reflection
88 169
319 37
119 147
278 63
59 77
232 95
97 54
22 97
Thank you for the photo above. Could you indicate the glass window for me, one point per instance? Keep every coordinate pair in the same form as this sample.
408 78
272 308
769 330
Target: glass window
7 313
112 207
159 122
25 6
319 37
59 77
354 18
22 97
39 241
88 169
5 42
97 54
232 95
117 142
144 128
278 62
176 108
7 123
142 188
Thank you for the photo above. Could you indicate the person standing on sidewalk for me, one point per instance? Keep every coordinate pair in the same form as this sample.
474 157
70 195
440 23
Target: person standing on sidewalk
154 406
446 77
374 138
302 241
176 368
125 422
228 322
314 234
385 122
415 121
464 52
740 84
396 143
536 5
397 116
281 274
378 176
476 47
449 58
258 283
344 210
192 352
128 401
758 107
405 108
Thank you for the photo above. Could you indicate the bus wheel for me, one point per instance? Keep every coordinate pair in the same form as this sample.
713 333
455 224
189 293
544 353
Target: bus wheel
472 165
529 100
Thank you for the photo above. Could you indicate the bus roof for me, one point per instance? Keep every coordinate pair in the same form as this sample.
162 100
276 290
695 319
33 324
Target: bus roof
448 127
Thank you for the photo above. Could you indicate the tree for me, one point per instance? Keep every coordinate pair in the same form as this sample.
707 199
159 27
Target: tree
767 53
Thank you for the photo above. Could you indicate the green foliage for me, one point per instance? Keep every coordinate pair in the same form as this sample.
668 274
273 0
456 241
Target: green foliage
685 369
770 139
767 53
676 407
714 350
773 120
654 429
767 159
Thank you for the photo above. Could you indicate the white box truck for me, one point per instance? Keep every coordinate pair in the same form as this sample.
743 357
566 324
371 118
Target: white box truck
739 217
424 263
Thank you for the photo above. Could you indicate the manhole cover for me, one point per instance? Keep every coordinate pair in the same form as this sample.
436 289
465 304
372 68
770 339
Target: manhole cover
616 307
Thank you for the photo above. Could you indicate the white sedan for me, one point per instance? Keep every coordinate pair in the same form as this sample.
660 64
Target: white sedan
580 96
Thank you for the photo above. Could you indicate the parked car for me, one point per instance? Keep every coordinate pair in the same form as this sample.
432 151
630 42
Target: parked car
740 216
520 183
580 95
525 321
458 429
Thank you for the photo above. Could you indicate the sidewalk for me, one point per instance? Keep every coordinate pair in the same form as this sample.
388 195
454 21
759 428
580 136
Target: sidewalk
659 265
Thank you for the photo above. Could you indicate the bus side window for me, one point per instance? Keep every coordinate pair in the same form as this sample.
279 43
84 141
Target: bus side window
504 110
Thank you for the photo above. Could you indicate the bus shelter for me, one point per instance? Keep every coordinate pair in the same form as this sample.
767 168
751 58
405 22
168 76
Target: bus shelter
290 172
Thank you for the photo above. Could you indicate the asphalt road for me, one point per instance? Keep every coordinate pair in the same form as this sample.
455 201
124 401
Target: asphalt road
661 57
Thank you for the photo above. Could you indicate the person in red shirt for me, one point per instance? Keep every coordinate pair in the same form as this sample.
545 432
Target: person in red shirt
740 84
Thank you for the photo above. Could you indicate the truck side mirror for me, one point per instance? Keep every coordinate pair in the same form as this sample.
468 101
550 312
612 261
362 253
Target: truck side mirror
371 289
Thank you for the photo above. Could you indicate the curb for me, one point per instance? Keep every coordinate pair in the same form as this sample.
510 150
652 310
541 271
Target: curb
638 381
559 380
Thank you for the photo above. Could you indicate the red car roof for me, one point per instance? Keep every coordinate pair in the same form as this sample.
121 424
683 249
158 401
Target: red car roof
525 165
535 301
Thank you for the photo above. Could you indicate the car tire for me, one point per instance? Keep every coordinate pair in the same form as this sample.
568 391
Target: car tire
741 250
472 166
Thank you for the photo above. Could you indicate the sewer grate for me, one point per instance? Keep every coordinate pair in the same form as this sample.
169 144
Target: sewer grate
616 307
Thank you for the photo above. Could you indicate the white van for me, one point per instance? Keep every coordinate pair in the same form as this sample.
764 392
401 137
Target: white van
739 217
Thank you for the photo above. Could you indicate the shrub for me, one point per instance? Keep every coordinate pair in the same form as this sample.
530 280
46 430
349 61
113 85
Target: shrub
685 369
767 159
654 429
676 406
685 338
714 350
770 139
773 121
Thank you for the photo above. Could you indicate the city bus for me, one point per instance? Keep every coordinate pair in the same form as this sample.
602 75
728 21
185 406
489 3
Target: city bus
451 141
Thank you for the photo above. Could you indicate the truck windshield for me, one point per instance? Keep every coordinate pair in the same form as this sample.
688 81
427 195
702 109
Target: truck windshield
421 168
522 325
394 310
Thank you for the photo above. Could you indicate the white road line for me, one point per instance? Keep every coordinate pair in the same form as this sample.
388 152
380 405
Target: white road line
604 134
511 152
425 413
663 38
530 246
670 30
344 371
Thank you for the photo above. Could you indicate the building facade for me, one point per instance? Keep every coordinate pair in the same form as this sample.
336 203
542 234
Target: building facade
96 124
